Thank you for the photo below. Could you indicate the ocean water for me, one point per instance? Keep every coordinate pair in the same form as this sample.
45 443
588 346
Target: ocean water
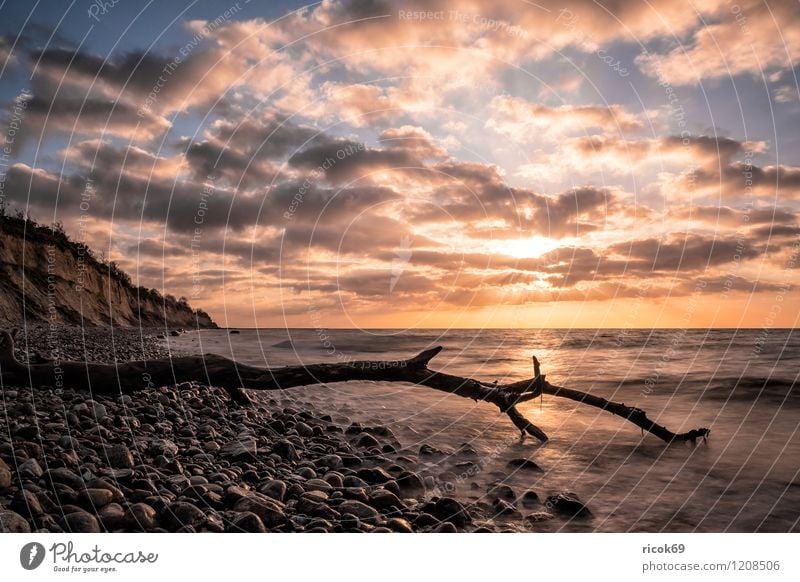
740 383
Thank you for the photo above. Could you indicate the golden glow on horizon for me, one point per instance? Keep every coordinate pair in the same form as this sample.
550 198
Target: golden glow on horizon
524 248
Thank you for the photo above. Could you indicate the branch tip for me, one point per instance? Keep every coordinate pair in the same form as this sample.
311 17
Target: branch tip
422 358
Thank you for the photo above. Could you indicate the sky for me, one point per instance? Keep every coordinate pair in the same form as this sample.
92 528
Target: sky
413 164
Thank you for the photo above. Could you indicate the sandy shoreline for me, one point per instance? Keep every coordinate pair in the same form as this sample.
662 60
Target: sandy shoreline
186 458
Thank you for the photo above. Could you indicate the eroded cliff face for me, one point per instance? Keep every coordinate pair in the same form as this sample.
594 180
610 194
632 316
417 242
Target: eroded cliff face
44 277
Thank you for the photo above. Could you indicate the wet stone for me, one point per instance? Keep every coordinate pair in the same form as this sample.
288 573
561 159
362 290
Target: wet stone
246 521
30 470
568 504
12 522
79 522
120 457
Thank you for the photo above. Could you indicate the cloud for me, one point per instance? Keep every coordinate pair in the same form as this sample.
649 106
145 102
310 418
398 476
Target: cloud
688 253
618 155
751 37
247 151
358 104
525 121
6 57
343 160
157 82
413 138
91 116
739 180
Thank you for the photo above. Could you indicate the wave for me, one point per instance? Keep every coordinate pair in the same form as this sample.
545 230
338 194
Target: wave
775 390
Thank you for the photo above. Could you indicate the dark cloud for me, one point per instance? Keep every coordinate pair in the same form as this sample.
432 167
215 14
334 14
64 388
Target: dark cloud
344 160
247 151
743 181
691 253
90 115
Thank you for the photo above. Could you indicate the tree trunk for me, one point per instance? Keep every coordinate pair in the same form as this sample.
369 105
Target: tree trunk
214 370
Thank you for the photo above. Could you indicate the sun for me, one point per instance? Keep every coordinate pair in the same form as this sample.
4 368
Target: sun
524 248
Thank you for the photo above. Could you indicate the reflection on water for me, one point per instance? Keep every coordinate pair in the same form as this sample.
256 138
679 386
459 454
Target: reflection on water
741 383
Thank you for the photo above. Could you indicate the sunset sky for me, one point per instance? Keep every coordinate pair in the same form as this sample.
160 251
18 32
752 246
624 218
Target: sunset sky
482 163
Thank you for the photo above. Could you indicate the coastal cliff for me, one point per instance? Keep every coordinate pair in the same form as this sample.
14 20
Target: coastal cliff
46 277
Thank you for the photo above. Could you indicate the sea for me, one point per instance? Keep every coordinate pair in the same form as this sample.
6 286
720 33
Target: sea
740 383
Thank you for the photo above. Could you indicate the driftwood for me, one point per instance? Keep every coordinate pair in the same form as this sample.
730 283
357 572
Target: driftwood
216 370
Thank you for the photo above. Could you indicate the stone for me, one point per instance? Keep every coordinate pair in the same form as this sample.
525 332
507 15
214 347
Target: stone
318 485
354 428
234 493
95 497
275 489
526 464
240 450
69 442
306 472
360 510
366 441
96 410
350 522
285 450
382 499
294 490
5 476
140 517
316 495
374 476
26 502
467 450
448 509
399 525
111 516
79 522
304 430
248 522
329 461
393 487
334 480
271 512
30 470
529 499
12 522
357 493
181 514
410 482
28 432
65 476
104 484
427 450
537 517
163 447
503 507
353 481
502 492
314 508
120 457
568 504
425 520
445 527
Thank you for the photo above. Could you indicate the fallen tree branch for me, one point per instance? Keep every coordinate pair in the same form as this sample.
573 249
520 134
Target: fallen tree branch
216 370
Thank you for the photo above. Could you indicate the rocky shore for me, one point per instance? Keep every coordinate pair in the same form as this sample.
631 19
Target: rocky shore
187 459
